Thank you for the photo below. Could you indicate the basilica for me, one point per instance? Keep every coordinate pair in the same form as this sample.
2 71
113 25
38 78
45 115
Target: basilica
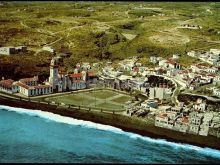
58 82
66 82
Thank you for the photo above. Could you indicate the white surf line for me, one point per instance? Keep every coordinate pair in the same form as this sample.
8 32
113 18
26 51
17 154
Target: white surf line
89 124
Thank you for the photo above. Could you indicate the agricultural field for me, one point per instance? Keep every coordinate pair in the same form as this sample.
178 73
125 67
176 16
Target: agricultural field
104 99
94 31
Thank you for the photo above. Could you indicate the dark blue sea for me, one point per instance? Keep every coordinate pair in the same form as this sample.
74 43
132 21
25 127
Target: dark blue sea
36 136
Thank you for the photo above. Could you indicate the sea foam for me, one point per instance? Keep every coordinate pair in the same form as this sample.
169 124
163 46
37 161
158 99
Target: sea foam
68 120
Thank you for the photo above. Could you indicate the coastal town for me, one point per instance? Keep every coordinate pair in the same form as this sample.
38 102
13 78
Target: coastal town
160 103
109 82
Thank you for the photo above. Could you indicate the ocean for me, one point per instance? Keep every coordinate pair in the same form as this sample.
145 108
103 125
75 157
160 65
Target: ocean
30 136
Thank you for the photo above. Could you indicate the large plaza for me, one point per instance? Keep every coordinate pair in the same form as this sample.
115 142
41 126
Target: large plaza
105 99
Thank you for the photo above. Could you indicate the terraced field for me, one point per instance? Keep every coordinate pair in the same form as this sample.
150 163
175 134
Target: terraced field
94 31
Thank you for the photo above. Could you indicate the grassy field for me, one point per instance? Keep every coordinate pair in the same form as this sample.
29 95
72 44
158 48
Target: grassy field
122 99
97 99
102 94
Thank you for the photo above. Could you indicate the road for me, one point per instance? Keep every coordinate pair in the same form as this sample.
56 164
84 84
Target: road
207 97
44 32
178 87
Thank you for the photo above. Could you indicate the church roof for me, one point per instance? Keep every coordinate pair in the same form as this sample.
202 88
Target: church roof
6 83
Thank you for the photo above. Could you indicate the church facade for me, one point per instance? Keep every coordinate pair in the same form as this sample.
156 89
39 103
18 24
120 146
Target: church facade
66 82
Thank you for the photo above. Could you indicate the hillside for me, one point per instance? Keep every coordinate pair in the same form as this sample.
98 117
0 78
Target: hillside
94 31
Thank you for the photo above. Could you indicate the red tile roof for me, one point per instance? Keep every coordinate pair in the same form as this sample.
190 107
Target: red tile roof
170 62
23 85
185 120
35 78
76 75
32 87
211 75
6 83
163 115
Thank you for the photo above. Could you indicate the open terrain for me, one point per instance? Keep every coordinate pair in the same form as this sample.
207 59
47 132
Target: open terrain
94 31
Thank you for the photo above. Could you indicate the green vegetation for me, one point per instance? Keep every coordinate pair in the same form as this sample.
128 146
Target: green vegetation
93 31
104 99
122 99
102 94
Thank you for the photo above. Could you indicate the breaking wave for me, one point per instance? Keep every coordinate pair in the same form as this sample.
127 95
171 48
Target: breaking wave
68 120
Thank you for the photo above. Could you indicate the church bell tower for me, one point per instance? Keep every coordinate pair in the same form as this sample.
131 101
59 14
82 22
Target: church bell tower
53 79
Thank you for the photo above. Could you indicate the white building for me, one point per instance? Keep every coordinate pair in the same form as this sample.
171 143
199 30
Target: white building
216 79
207 120
182 124
48 48
215 51
65 82
162 63
191 53
160 93
195 120
8 86
201 107
12 50
176 56
165 120
153 59
216 92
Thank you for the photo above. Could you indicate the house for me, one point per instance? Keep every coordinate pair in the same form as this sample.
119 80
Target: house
207 121
153 59
12 50
8 86
216 79
177 110
215 51
199 67
29 81
172 64
176 56
193 86
49 49
200 106
160 93
165 120
150 103
182 124
138 64
171 72
195 120
34 90
216 92
30 87
162 63
211 70
191 53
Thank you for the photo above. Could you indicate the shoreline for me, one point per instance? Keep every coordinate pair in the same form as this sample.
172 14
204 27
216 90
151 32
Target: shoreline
125 123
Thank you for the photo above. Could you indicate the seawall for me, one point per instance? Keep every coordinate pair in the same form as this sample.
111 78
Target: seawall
125 123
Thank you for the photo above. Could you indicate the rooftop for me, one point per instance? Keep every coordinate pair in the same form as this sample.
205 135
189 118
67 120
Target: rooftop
6 83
